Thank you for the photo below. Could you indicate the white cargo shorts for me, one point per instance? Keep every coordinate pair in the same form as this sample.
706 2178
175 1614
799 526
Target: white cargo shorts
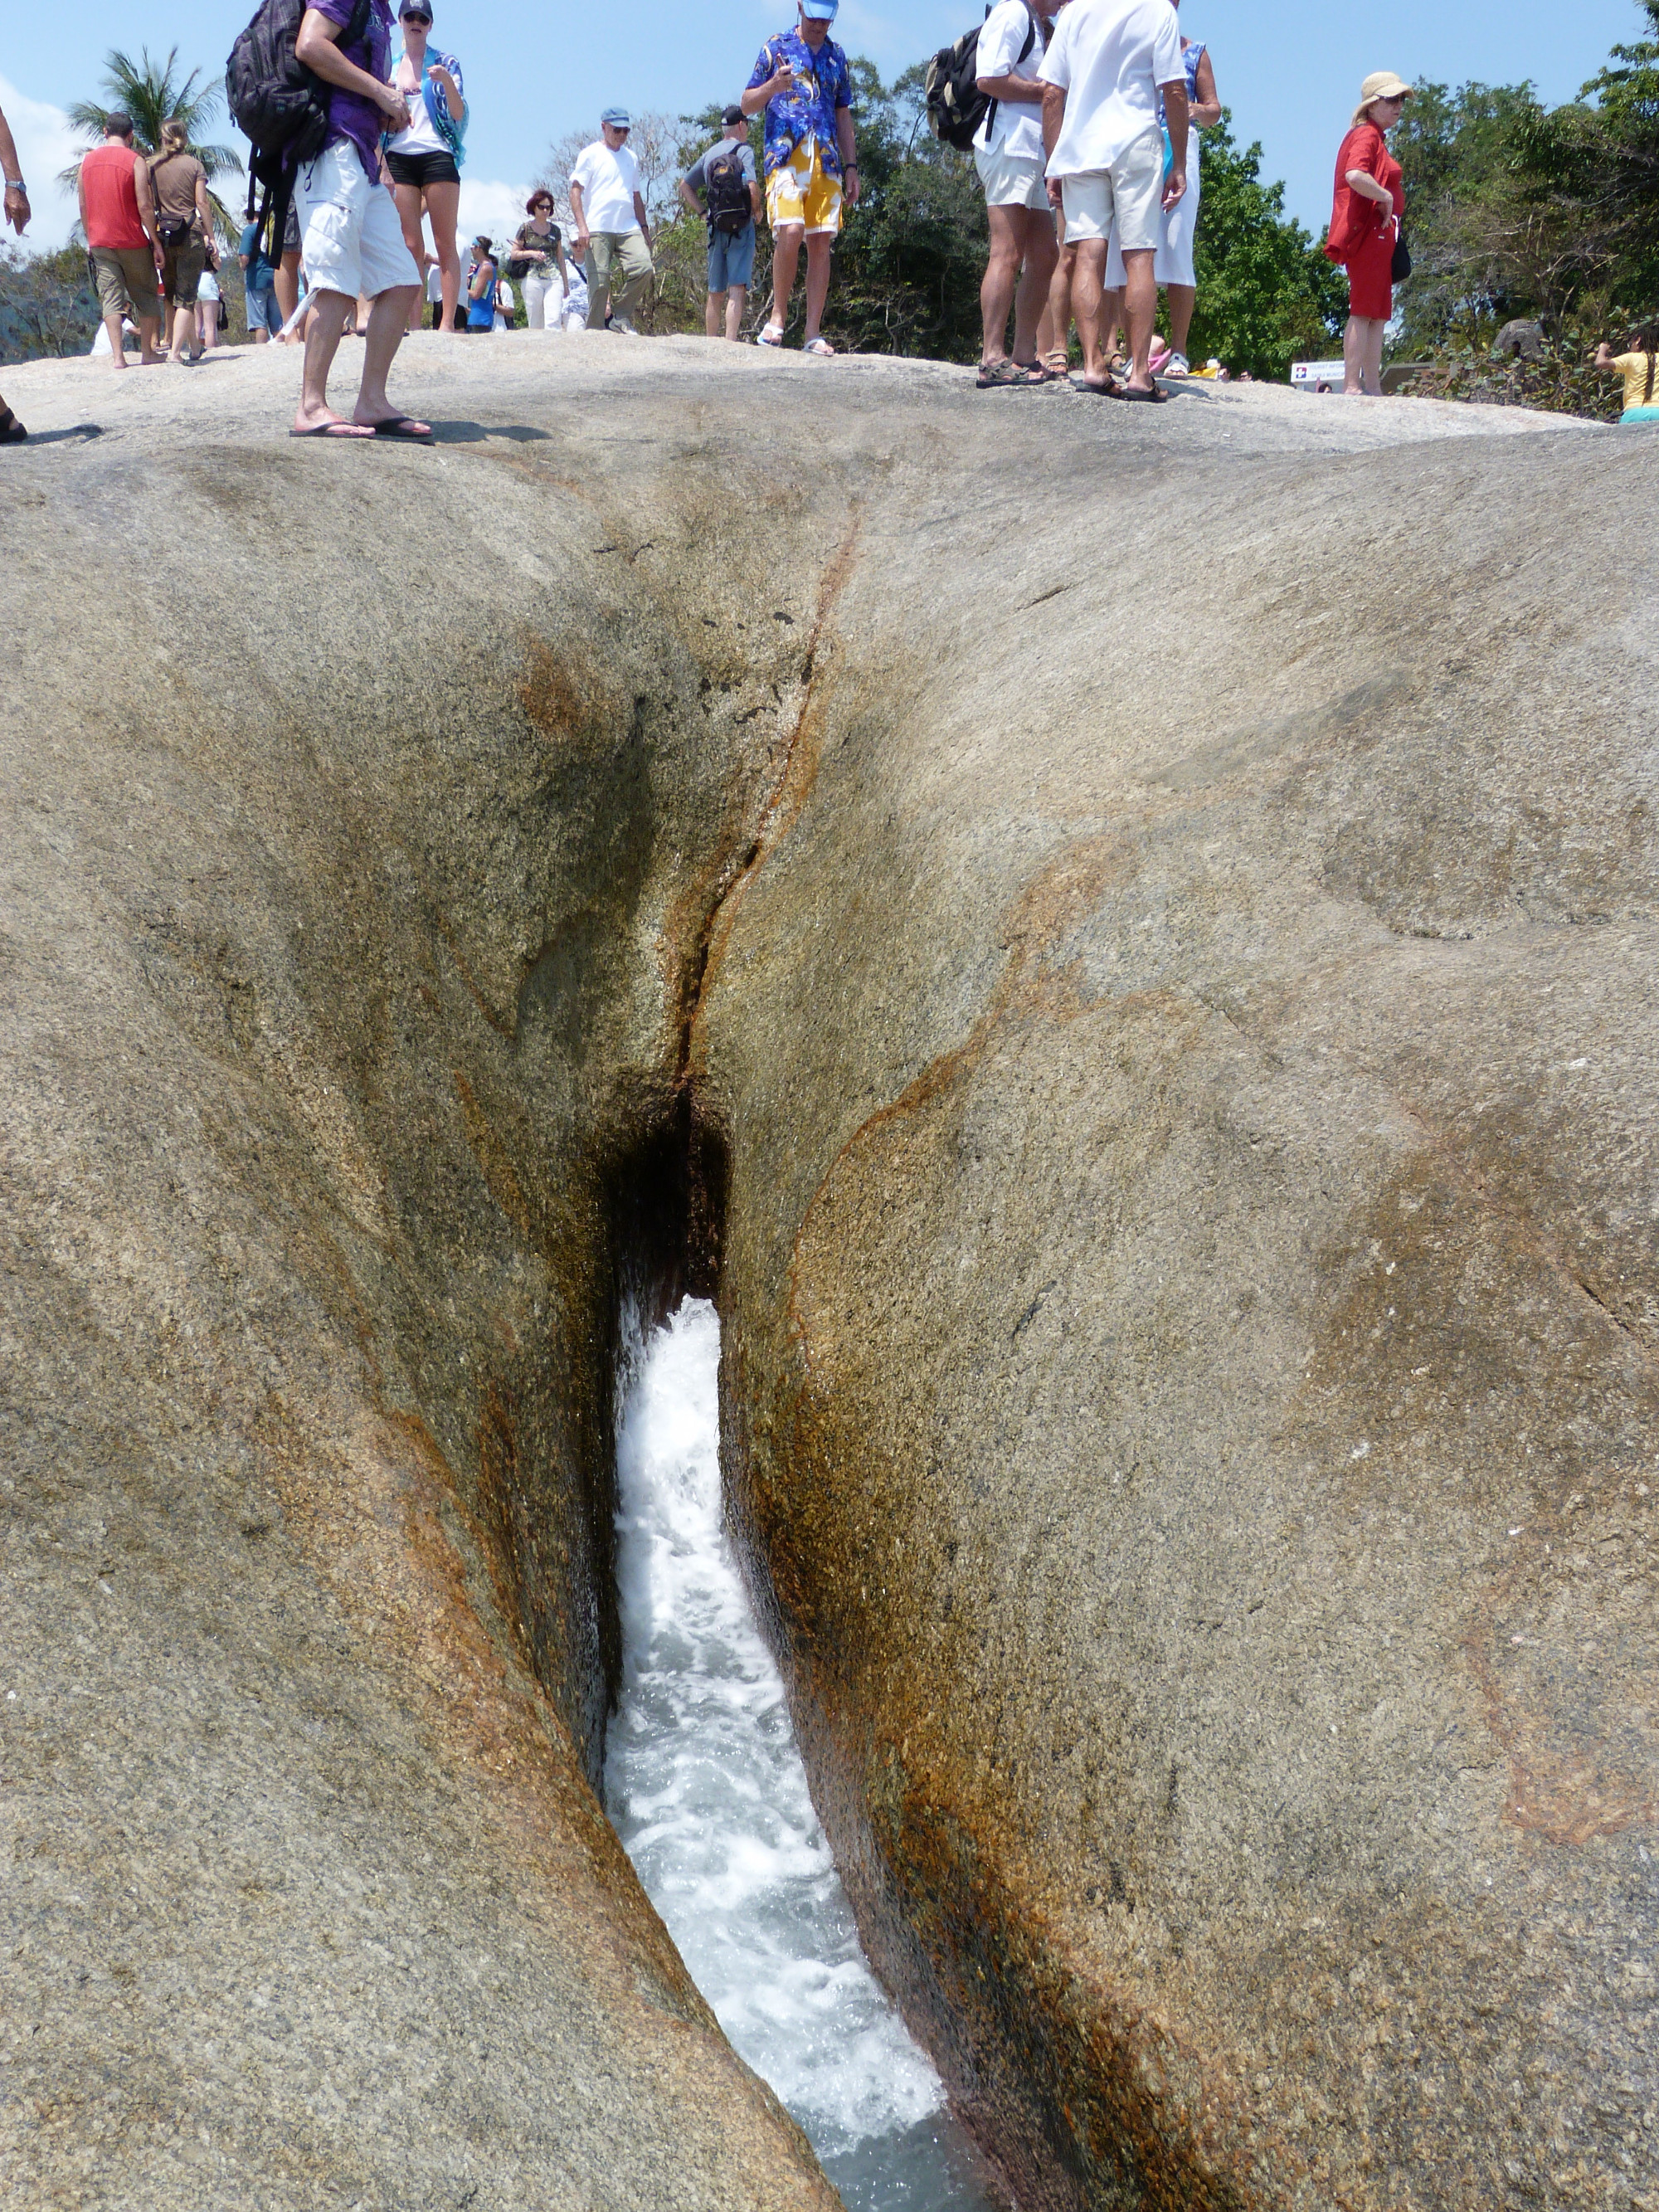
1132 190
350 239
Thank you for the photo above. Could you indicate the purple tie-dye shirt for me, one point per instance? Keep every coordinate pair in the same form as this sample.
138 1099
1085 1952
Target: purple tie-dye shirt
352 118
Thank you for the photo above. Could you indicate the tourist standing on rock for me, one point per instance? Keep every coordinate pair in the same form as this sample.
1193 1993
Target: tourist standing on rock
1008 154
534 262
803 83
1172 261
352 238
1366 206
721 185
264 316
1637 365
1105 68
609 227
423 159
481 290
117 218
184 222
18 211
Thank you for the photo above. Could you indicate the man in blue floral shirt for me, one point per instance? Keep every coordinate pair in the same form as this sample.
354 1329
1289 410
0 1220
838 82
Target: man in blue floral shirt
803 83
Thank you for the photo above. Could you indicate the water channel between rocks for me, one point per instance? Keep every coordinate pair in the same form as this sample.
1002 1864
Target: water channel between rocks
707 1792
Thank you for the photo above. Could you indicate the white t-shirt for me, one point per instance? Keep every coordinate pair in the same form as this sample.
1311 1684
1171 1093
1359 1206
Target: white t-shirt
1016 129
422 135
434 285
1111 56
608 181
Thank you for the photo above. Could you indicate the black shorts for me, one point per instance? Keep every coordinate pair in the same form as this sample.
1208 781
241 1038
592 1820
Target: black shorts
423 168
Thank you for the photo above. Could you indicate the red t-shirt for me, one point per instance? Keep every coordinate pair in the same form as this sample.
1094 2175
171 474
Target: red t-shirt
106 174
1355 221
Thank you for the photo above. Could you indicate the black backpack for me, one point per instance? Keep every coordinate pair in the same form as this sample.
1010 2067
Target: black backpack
280 107
726 190
956 105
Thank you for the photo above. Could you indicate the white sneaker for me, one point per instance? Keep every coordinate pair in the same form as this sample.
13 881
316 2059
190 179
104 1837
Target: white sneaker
627 329
1176 365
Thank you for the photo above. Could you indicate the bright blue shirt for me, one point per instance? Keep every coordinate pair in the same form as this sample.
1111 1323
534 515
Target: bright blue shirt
823 83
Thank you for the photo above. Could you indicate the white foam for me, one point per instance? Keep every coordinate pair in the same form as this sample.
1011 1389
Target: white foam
706 1788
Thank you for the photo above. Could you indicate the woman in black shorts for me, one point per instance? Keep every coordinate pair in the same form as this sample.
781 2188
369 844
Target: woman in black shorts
421 161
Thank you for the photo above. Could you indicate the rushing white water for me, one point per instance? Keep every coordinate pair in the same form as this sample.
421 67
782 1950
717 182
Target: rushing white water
708 1795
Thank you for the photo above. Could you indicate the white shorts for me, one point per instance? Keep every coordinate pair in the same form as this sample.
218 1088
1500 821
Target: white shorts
1172 261
351 240
1131 192
1010 180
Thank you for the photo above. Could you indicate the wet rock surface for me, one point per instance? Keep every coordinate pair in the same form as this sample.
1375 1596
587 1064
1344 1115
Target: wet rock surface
1157 926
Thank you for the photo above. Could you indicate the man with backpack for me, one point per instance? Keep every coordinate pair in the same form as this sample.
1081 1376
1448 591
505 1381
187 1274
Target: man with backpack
720 185
805 87
309 87
1009 156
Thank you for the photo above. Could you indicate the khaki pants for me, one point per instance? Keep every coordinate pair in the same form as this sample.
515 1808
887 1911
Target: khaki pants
611 252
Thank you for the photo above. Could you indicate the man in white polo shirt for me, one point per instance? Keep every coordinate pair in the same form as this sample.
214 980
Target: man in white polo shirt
1106 65
608 227
1009 156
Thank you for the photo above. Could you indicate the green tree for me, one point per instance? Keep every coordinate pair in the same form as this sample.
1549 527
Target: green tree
1625 190
151 93
47 307
1266 296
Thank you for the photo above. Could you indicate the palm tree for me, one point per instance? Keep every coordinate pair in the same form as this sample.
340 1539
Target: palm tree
149 93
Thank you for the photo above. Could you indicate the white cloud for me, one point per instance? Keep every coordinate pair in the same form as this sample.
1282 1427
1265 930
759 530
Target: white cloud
495 210
45 144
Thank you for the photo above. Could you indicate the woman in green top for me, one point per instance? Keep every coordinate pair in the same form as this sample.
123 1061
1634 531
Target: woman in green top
535 253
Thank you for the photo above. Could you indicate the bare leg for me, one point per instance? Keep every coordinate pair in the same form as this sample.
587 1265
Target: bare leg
287 280
996 291
1059 300
1088 297
207 315
1183 300
1375 329
183 330
388 319
149 336
819 247
1111 319
737 299
1032 300
1361 356
785 255
326 323
406 198
714 314
443 203
1140 304
117 349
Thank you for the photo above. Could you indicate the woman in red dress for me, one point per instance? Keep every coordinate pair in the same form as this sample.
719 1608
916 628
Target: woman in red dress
1365 211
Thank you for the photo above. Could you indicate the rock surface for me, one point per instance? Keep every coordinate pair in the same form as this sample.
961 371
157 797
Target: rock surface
1151 922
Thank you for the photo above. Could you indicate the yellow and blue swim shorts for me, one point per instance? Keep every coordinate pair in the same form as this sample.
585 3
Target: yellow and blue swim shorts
800 190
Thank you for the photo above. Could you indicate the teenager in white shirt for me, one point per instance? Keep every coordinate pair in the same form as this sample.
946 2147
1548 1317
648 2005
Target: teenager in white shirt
609 230
1009 156
1105 67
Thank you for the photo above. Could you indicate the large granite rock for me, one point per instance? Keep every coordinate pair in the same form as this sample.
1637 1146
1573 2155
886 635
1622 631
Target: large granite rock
1138 932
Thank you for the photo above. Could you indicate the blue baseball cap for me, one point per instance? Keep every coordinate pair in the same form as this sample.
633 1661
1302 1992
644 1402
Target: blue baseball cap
819 11
616 118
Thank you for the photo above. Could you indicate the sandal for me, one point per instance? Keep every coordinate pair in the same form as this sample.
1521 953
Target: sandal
821 348
1055 362
1153 398
998 376
1110 390
770 335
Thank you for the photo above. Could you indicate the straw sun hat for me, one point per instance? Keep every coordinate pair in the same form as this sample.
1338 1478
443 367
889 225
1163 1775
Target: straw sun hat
1380 84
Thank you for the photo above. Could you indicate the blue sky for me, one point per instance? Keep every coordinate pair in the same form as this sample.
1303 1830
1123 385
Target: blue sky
534 72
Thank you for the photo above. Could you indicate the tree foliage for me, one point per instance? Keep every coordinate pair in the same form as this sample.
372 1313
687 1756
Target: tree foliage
1266 296
153 92
1516 210
47 305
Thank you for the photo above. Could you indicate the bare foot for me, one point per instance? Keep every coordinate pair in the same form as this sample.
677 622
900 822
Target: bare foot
325 423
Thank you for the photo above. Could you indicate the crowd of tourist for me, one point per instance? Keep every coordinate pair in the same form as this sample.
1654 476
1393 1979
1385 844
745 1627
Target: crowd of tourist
1086 118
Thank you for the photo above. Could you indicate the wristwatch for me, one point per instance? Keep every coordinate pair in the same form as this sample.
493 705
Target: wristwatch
17 185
